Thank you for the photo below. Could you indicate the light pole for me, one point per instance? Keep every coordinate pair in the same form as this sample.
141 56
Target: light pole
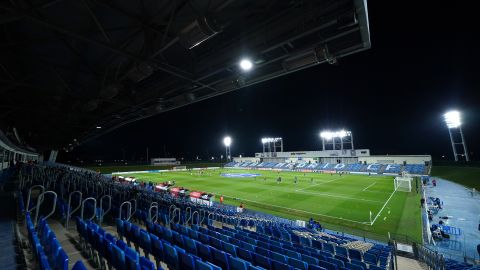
227 141
454 124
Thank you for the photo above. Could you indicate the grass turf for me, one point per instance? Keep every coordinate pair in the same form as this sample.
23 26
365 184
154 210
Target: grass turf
340 202
467 176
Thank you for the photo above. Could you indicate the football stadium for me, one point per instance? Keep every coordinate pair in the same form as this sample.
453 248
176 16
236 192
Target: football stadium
238 135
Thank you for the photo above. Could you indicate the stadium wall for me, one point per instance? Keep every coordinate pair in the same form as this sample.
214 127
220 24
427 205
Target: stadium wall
397 159
246 159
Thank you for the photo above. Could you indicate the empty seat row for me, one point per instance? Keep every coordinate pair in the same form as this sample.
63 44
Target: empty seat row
105 247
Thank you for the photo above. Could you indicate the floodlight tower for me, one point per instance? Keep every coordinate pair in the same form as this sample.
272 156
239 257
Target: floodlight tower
227 141
342 139
271 146
454 124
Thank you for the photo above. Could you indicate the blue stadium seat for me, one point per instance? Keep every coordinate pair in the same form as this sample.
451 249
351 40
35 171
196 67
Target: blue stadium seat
189 245
204 238
337 262
262 251
206 266
355 254
262 261
132 259
359 263
327 265
298 264
203 251
238 264
293 254
278 257
216 243
61 261
145 242
341 250
244 254
352 266
120 228
229 248
328 247
170 256
118 258
310 259
220 258
186 261
146 264
276 265
79 266
370 258
157 249
122 245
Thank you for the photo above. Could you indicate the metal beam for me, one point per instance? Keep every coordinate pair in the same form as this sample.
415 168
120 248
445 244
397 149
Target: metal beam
162 66
97 22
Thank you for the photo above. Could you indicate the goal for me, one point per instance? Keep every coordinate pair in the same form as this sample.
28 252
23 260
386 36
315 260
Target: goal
179 168
403 183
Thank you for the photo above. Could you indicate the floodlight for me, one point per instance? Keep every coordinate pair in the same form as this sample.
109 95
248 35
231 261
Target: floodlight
328 135
99 127
452 119
227 141
246 64
270 140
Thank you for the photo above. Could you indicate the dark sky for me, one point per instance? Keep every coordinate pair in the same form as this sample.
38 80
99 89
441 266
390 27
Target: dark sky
423 61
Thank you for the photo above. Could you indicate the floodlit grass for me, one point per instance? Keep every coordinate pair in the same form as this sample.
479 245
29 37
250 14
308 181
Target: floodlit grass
340 202
467 176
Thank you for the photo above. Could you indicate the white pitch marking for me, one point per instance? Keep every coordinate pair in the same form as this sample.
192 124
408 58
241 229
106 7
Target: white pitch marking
298 210
391 195
369 186
338 196
335 179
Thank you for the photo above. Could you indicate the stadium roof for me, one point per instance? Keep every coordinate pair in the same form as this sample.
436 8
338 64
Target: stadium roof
73 70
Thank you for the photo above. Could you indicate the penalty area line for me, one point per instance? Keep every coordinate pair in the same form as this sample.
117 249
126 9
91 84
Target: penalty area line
335 179
369 186
373 221
303 211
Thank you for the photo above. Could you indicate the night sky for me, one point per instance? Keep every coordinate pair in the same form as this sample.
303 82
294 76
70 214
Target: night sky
423 62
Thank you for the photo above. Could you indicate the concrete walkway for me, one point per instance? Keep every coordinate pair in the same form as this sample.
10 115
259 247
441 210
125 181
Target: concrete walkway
408 264
462 207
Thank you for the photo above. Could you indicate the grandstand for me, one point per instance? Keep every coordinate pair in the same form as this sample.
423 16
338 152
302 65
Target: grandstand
72 71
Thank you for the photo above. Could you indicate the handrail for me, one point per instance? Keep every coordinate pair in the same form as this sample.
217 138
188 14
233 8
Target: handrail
208 217
40 202
193 218
29 197
104 212
170 210
203 214
69 211
135 209
179 214
153 218
188 215
129 204
94 207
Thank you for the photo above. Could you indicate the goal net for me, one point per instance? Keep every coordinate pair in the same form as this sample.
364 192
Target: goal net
403 183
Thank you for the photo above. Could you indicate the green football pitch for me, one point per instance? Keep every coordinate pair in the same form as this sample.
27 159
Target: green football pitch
339 202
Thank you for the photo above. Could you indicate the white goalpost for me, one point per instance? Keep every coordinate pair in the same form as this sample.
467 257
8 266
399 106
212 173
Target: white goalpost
403 183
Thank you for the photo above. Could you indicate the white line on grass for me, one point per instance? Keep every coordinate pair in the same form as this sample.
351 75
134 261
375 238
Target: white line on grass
369 186
335 179
298 210
338 196
391 195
